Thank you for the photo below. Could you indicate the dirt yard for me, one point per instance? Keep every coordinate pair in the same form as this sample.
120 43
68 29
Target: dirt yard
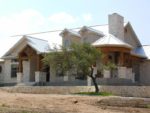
50 103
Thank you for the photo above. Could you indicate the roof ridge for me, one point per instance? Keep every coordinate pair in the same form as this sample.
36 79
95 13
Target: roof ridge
35 38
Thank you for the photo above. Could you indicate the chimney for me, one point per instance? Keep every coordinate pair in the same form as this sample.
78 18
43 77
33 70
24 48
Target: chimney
116 25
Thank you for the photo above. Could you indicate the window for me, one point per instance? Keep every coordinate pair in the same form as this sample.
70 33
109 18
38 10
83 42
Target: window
13 70
66 43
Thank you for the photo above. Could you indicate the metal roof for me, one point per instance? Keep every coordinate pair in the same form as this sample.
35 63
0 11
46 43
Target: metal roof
143 51
39 45
110 40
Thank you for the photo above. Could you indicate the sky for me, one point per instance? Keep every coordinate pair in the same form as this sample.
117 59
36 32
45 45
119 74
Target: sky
30 16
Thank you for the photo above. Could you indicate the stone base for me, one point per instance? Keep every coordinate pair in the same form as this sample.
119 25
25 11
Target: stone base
106 73
40 76
89 81
19 77
66 77
122 72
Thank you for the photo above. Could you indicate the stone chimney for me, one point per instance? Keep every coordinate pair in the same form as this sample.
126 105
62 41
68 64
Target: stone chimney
116 25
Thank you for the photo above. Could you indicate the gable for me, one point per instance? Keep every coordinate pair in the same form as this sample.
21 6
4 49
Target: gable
39 45
130 36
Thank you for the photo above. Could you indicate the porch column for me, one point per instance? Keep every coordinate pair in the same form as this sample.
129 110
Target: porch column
20 72
39 75
121 59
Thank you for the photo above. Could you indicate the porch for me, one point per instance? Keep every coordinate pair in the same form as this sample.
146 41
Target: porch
30 67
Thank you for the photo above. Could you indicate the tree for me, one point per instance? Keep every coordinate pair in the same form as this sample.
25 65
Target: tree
85 56
80 56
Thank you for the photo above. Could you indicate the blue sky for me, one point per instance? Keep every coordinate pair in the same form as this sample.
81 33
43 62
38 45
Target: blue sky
27 16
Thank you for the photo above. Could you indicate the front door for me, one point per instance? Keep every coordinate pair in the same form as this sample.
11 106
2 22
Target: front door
26 71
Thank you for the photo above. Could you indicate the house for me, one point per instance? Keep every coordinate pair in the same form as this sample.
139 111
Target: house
117 40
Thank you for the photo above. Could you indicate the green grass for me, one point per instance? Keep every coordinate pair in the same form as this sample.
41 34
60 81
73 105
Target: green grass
95 94
148 106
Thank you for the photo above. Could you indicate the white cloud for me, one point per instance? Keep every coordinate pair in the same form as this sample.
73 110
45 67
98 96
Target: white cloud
62 18
20 23
29 21
87 17
26 21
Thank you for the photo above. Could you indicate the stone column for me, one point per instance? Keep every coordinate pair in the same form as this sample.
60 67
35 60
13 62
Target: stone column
89 81
52 74
106 73
40 76
19 77
122 72
66 76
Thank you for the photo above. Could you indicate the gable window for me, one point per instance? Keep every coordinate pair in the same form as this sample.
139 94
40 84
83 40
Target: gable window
13 70
66 43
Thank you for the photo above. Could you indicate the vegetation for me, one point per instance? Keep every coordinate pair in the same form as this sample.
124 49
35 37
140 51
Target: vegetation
81 57
95 94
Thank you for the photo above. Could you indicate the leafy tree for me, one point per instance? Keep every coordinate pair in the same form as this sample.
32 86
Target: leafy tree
85 56
80 56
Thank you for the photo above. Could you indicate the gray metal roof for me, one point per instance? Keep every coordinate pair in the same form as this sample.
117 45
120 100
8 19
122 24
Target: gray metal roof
143 51
39 45
110 40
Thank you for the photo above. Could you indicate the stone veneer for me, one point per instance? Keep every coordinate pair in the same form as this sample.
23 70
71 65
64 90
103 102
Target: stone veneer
133 91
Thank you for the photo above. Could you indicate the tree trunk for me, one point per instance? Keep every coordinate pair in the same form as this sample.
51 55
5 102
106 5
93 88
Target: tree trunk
94 81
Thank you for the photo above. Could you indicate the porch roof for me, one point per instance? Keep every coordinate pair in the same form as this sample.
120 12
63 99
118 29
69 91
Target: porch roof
39 45
110 40
143 51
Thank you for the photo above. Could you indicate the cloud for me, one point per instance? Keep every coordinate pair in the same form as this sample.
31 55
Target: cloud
87 17
62 18
30 21
19 23
26 21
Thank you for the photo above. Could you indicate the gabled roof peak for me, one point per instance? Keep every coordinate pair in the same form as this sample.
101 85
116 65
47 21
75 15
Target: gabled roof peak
70 31
30 37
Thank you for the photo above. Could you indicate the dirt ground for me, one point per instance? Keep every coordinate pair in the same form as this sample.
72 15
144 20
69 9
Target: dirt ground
53 103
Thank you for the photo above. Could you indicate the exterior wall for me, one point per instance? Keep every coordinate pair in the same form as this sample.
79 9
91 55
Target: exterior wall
2 72
69 38
129 37
145 72
89 37
7 73
116 26
18 48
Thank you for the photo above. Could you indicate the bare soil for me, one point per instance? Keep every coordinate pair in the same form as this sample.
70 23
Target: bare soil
54 103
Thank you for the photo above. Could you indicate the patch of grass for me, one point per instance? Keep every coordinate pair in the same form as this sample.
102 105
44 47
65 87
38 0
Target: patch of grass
95 94
4 105
148 106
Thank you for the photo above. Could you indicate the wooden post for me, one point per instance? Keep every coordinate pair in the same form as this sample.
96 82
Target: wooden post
20 65
38 62
121 61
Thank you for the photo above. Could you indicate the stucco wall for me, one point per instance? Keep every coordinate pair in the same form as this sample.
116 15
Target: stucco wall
129 37
2 72
116 25
7 73
70 39
145 72
89 37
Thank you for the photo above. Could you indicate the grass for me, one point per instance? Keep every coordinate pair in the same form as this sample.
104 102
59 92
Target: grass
95 94
148 106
